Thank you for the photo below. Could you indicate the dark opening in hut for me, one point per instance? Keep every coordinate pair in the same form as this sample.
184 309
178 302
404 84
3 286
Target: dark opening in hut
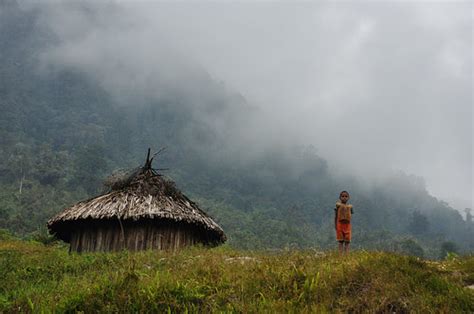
142 211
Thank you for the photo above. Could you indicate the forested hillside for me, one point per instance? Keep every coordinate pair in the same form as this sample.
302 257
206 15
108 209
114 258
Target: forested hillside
62 133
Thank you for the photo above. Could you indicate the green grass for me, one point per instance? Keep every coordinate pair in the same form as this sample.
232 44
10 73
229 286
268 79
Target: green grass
36 278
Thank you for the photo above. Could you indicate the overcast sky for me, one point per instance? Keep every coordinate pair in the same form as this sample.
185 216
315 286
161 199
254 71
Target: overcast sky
375 87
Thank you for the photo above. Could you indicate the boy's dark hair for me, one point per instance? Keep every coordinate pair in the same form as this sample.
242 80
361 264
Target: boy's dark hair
344 192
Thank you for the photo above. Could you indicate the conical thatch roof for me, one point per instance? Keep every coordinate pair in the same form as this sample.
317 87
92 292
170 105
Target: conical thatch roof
144 195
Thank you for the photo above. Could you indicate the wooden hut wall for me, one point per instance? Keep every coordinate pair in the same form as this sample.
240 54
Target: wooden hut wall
141 235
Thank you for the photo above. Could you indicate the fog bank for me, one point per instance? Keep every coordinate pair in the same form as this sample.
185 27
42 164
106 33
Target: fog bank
375 87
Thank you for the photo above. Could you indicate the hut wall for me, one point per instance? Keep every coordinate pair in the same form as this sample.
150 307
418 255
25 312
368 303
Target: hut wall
134 236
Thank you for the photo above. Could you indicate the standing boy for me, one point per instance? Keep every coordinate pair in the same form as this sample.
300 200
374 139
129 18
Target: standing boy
342 222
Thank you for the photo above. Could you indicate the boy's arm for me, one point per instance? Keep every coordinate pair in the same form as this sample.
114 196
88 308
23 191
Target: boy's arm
335 218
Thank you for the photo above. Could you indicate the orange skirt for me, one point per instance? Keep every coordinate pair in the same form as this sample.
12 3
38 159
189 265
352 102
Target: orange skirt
343 232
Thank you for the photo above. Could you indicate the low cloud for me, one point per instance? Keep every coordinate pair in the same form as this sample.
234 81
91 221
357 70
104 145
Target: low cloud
375 87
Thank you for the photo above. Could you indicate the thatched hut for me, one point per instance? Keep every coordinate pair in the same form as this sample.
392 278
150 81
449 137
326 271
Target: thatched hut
142 211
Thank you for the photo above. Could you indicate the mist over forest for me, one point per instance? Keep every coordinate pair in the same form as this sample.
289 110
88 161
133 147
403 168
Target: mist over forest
87 88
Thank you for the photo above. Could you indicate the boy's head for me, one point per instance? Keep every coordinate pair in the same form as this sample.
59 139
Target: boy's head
344 196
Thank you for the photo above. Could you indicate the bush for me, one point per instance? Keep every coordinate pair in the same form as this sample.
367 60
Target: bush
42 235
410 247
447 248
6 235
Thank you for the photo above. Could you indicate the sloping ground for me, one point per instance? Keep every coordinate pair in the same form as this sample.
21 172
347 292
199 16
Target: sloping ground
36 278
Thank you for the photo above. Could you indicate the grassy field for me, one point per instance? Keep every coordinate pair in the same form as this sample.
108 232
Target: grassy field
38 278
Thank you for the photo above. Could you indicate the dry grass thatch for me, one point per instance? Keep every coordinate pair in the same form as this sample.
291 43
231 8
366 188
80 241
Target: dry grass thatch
135 195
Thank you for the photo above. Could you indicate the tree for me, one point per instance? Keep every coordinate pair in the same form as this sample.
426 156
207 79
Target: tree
419 224
468 215
90 165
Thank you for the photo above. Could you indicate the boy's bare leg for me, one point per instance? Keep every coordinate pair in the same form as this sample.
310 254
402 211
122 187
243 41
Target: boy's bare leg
346 248
341 247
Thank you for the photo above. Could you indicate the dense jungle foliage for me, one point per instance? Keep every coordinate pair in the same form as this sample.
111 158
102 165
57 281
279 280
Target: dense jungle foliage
62 133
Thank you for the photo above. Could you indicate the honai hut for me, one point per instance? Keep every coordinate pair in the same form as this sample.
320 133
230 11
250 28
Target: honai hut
141 211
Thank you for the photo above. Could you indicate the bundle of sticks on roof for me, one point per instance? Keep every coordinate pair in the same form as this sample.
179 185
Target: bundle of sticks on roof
143 180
